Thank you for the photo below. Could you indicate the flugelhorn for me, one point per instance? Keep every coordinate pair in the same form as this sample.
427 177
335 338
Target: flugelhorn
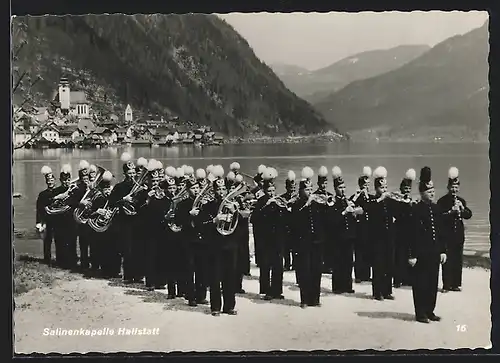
230 207
60 206
170 215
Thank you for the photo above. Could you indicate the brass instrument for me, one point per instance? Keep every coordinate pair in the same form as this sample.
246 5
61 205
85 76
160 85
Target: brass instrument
100 223
230 207
248 176
159 193
205 195
60 206
322 199
80 213
280 202
358 194
129 208
170 215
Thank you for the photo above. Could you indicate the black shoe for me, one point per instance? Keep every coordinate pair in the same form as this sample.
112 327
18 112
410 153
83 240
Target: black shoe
150 288
446 288
170 297
230 312
267 297
215 313
179 295
434 317
202 302
241 291
303 306
350 291
379 298
279 297
456 289
337 292
422 319
397 286
128 281
358 281
192 303
160 287
389 297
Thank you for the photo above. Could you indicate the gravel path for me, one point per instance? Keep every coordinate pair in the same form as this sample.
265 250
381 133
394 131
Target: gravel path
343 322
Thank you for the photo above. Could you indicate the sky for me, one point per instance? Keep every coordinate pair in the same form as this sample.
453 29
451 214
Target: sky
316 40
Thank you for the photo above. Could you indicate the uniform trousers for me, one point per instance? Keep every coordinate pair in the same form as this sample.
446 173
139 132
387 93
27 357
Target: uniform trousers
174 264
222 263
47 243
452 269
383 267
342 264
96 249
131 249
402 268
257 244
425 277
84 241
288 252
155 258
310 263
65 235
109 252
363 253
271 269
196 271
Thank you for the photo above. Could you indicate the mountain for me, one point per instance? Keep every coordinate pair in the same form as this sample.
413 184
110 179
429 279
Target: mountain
193 66
313 86
446 86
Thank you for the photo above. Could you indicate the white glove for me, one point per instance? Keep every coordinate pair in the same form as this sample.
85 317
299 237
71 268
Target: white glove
443 258
412 261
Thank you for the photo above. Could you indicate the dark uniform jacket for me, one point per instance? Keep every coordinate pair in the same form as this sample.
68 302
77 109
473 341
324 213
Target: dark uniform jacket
192 230
43 200
119 191
270 221
343 226
453 225
153 213
426 241
216 240
308 222
382 218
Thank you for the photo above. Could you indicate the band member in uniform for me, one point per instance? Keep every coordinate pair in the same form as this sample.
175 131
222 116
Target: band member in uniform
235 168
343 216
230 179
383 211
222 249
84 231
126 224
308 226
289 249
322 190
454 210
258 193
404 221
268 217
427 250
242 238
43 220
363 244
194 247
201 177
92 174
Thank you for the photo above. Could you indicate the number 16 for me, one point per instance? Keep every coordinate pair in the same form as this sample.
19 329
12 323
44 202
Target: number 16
462 328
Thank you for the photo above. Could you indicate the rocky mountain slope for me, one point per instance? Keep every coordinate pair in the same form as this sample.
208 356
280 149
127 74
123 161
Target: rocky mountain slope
196 67
445 87
313 86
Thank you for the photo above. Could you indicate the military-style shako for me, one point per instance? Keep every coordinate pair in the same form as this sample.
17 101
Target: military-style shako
218 174
142 163
179 175
106 180
407 181
152 168
364 179
322 175
191 182
307 174
47 172
380 177
65 173
337 177
290 180
425 183
268 177
170 174
201 174
128 164
92 169
235 167
453 177
238 179
188 171
258 178
161 171
83 168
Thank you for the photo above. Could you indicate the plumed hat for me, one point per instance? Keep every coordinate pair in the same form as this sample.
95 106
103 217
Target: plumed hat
260 170
290 179
380 176
152 168
425 183
307 174
453 177
238 179
47 172
364 177
218 174
92 168
337 177
179 174
65 172
234 167
128 164
188 170
142 162
407 181
191 181
269 175
201 174
322 174
83 168
106 179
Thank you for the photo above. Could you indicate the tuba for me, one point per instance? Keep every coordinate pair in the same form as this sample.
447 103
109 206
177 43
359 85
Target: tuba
81 212
129 208
229 206
60 206
101 223
170 215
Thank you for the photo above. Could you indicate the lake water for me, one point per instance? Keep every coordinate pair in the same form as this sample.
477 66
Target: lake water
471 159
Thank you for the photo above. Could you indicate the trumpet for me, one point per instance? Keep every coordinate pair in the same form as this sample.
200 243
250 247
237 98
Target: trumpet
358 194
60 206
281 202
159 193
322 199
248 176
230 207
170 215
398 197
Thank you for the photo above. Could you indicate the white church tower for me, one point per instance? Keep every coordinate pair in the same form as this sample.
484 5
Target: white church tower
64 94
128 114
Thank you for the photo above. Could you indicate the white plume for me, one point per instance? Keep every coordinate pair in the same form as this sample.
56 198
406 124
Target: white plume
234 166
411 174
231 176
183 167
151 164
46 170
66 168
323 171
336 172
367 171
142 162
291 175
159 165
239 178
179 173
453 173
170 171
126 157
209 168
218 171
84 164
93 167
380 172
201 174
307 173
188 170
274 172
261 169
107 176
